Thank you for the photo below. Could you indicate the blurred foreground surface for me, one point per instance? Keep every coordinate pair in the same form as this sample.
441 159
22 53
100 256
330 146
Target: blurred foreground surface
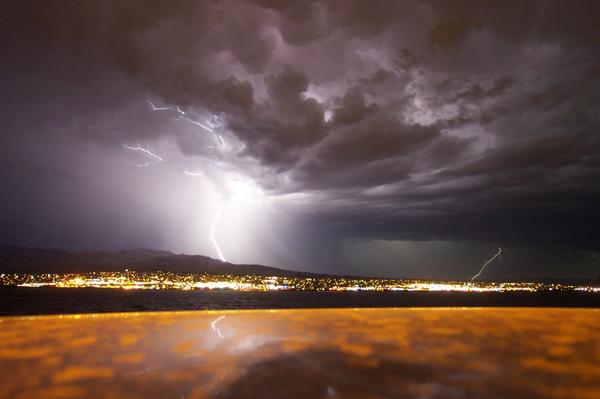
317 353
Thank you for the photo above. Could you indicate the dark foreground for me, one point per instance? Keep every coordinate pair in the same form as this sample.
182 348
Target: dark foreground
32 301
316 353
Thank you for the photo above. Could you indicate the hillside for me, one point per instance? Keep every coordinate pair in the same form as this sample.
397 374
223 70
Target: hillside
33 260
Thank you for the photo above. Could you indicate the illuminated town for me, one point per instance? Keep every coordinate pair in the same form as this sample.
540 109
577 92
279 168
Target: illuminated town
129 279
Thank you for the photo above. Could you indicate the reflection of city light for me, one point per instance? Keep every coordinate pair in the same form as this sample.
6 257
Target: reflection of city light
222 285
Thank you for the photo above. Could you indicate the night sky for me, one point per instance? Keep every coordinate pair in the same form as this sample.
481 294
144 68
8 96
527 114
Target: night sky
395 138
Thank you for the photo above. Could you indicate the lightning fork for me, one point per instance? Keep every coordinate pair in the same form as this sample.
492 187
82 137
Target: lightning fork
143 150
209 126
487 263
213 227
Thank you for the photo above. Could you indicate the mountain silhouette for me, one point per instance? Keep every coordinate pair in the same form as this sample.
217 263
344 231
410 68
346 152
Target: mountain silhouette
34 260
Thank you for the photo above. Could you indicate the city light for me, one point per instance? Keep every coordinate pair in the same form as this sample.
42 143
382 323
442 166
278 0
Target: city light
129 279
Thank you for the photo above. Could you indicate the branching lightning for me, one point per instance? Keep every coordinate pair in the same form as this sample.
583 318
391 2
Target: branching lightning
213 227
145 151
208 124
487 263
212 125
153 157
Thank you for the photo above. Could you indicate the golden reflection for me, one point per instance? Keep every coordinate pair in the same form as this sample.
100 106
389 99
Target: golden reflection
376 353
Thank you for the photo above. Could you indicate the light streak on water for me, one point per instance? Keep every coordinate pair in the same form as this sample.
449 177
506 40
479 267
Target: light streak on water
213 326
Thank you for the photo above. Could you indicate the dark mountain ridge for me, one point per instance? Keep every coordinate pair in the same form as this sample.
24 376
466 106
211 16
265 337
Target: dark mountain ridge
33 260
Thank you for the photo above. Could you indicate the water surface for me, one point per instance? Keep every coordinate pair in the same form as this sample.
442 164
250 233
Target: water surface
31 301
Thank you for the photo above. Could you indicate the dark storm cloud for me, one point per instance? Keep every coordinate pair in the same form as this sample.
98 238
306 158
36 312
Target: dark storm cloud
462 120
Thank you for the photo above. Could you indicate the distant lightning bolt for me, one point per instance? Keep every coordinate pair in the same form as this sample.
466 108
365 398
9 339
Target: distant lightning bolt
487 263
213 227
143 150
214 223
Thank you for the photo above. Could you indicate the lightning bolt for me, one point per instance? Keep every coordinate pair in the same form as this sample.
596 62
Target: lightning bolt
155 108
206 124
213 227
487 263
194 174
214 222
143 150
211 125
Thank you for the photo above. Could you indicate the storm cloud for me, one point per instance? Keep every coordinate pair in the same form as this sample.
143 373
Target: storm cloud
415 121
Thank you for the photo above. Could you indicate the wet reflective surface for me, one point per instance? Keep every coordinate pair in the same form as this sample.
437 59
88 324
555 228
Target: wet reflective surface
327 353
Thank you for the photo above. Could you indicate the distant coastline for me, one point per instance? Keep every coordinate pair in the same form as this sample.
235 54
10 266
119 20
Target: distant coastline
25 260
